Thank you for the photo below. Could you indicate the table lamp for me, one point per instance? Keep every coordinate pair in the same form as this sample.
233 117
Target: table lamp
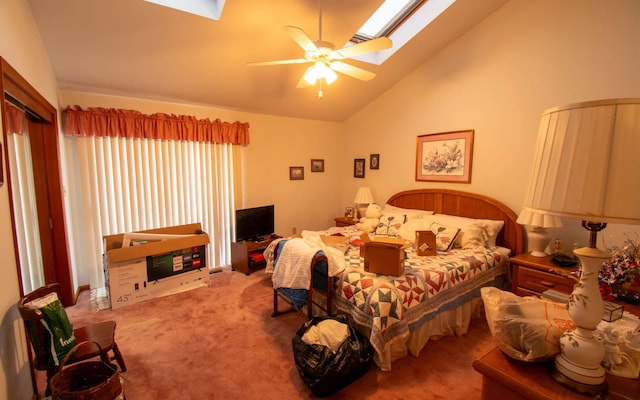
362 201
585 167
537 234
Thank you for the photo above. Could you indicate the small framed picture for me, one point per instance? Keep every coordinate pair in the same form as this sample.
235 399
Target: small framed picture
374 161
296 173
317 165
348 212
358 168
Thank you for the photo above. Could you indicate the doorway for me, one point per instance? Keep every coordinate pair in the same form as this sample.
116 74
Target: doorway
43 143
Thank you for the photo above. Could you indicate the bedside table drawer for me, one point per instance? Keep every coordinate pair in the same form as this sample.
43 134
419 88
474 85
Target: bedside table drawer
540 281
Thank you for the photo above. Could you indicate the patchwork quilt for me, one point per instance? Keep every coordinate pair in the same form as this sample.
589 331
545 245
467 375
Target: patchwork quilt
394 306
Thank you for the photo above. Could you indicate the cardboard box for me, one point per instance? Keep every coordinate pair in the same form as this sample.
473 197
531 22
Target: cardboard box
384 256
154 266
426 243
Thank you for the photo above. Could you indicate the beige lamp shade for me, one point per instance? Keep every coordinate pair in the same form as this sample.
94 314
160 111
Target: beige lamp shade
362 200
363 196
586 164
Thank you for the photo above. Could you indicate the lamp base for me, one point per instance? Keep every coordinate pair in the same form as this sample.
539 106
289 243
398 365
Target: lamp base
538 240
589 390
578 366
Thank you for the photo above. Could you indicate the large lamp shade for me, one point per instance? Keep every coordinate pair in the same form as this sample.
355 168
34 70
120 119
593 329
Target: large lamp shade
585 164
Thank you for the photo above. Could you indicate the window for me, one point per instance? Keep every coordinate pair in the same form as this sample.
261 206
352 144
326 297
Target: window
205 8
388 16
400 21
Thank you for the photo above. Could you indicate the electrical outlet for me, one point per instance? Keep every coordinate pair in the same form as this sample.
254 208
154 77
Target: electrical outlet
294 230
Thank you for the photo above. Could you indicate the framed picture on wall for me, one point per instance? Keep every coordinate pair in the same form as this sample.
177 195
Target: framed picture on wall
358 168
374 161
296 173
445 157
317 165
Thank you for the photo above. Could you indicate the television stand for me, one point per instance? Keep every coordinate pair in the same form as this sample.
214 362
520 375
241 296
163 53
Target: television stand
240 254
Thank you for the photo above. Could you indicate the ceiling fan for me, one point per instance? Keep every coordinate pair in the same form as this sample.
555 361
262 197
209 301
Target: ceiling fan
326 58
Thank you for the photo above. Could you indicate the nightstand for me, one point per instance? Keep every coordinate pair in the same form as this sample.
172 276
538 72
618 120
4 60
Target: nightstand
533 275
345 221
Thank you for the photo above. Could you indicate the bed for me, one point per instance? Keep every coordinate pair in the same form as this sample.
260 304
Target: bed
435 296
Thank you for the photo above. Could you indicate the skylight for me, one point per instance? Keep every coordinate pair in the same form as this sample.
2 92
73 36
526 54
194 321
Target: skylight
205 8
385 18
400 21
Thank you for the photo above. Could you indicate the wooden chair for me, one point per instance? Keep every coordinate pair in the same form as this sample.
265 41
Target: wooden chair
102 333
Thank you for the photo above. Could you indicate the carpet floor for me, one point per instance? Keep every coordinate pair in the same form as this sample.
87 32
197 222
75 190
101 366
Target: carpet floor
220 342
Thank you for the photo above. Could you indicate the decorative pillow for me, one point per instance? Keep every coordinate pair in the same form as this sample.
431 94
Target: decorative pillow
57 324
410 213
389 225
445 236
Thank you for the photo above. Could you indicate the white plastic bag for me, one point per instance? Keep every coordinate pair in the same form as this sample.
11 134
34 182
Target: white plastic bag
525 328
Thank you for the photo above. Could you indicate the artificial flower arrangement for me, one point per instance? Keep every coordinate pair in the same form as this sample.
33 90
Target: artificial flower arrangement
621 270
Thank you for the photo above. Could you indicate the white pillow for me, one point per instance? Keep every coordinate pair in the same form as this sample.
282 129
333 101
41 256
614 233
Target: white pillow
408 230
474 235
409 212
490 226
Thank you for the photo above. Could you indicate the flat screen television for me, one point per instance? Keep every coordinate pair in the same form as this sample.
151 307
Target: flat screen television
254 223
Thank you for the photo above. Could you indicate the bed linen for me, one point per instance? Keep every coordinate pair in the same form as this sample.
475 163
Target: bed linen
435 296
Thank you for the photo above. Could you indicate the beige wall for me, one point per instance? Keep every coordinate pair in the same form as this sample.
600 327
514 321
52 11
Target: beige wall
497 79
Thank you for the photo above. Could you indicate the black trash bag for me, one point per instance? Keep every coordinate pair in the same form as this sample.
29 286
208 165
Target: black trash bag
324 371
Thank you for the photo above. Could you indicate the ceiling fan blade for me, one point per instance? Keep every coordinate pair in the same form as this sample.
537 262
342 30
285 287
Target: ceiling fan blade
278 62
301 38
369 46
353 71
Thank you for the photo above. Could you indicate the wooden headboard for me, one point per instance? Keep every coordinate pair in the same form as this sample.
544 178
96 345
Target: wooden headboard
464 204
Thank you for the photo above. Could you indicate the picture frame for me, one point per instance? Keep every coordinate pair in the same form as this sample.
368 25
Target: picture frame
374 161
317 165
348 212
445 157
358 168
296 173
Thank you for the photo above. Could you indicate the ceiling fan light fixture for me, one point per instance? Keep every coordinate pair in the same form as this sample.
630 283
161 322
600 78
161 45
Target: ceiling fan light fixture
318 71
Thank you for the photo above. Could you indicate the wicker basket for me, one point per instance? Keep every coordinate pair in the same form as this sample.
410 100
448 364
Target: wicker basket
89 380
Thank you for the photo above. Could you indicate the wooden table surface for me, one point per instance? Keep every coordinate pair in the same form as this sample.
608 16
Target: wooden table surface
534 381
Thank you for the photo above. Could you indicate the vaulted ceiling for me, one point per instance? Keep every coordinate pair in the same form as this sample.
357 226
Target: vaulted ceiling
140 49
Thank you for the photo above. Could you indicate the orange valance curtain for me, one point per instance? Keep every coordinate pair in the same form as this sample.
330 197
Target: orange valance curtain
95 121
16 120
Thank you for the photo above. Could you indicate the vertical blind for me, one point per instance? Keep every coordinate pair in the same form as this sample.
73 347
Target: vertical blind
123 184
